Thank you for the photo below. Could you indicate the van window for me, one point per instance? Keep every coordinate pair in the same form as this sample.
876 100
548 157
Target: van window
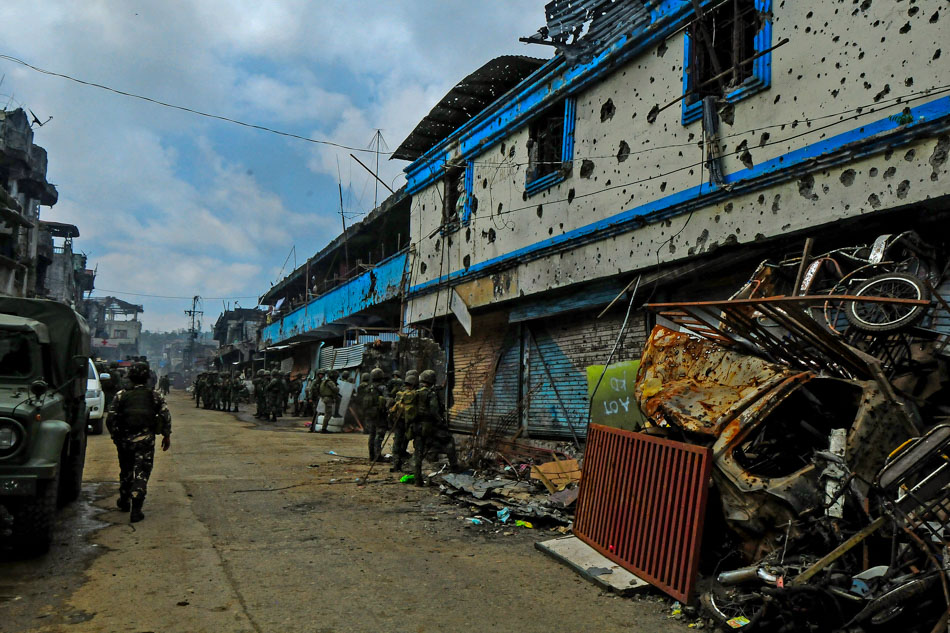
16 357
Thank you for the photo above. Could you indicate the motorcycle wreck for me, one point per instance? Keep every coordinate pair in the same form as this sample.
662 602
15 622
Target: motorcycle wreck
826 415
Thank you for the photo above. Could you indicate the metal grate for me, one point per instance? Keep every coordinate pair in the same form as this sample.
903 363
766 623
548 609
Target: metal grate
642 504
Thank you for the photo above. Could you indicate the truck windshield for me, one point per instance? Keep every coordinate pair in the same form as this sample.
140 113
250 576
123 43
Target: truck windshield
16 357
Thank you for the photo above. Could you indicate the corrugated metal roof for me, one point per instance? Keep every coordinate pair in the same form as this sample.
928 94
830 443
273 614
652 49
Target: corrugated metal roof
469 97
341 357
576 27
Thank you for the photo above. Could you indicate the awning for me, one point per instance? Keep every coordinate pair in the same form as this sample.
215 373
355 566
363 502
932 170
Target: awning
341 357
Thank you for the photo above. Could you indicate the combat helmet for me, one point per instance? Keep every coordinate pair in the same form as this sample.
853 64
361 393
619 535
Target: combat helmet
138 373
260 372
412 372
378 375
397 374
364 377
412 380
427 377
334 375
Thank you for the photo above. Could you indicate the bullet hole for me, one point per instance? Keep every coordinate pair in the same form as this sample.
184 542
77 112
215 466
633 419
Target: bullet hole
913 11
662 48
662 186
889 173
746 159
888 154
727 113
865 5
935 17
716 218
570 196
728 207
909 156
847 177
872 172
903 189
484 183
741 146
806 188
654 112
764 139
422 267
905 29
450 241
550 230
936 55
761 198
438 246
511 152
939 158
524 196
607 110
468 235
500 206
587 168
867 86
825 188
624 152
540 211
467 261
491 235
909 82
874 201
502 149
883 93
775 203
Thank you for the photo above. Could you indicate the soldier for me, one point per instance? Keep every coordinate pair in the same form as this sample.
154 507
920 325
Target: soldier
295 385
273 391
330 395
198 389
259 382
226 392
395 383
429 429
164 384
313 395
373 405
284 391
136 416
398 419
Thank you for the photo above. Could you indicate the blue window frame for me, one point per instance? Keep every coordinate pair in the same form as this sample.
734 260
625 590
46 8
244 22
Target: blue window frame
454 217
760 77
552 148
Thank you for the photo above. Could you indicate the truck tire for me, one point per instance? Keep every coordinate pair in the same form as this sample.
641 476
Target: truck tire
70 482
34 518
95 426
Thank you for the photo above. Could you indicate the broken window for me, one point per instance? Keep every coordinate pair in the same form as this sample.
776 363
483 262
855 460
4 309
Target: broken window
457 195
723 57
550 146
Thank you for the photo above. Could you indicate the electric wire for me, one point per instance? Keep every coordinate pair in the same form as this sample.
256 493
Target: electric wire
173 106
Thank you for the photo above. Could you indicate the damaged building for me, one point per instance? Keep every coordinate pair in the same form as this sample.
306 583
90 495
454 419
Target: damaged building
667 147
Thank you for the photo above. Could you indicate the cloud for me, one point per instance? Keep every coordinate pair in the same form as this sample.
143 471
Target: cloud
169 203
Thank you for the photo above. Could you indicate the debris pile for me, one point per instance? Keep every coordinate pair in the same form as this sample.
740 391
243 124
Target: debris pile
820 392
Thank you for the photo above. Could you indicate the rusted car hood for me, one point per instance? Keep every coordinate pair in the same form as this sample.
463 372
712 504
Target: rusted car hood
700 386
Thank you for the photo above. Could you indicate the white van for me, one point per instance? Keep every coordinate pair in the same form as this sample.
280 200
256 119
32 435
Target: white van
95 400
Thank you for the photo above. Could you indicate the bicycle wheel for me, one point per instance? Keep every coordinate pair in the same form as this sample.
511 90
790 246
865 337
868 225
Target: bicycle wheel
887 317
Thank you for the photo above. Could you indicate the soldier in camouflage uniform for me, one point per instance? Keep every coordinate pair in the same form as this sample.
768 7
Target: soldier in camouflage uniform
259 383
135 417
429 429
313 396
284 391
295 385
226 392
397 417
330 395
273 391
373 405
395 383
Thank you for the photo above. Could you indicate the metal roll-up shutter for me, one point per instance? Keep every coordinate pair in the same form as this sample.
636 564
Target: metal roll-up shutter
558 352
486 375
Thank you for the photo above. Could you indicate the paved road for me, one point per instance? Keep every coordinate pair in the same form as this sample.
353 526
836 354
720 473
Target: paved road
254 528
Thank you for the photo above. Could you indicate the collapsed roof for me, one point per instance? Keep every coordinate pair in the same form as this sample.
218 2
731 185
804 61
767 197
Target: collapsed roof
468 98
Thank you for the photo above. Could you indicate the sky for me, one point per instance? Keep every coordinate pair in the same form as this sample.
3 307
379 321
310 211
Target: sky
169 203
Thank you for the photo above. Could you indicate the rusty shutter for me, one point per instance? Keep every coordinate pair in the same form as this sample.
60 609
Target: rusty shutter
558 352
486 376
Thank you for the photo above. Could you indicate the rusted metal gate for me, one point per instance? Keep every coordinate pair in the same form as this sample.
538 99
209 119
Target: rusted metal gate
642 504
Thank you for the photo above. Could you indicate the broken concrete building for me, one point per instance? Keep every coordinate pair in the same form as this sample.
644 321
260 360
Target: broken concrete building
115 327
62 274
666 148
23 189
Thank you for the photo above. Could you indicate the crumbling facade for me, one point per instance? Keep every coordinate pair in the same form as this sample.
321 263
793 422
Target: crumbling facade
664 149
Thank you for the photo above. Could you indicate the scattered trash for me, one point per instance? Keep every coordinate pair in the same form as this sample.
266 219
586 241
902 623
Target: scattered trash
599 571
558 474
475 521
406 479
504 514
331 453
524 524
737 622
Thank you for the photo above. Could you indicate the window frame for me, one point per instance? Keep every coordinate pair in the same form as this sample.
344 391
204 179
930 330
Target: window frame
547 181
760 80
452 224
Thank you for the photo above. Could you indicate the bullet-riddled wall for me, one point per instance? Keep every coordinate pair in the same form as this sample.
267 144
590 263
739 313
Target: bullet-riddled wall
828 139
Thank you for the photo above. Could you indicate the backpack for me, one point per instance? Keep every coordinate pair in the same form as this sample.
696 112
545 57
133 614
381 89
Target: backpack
138 411
326 391
410 403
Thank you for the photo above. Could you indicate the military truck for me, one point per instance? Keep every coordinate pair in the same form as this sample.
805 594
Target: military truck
44 350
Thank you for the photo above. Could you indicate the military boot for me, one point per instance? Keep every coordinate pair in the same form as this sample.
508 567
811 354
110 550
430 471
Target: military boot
137 514
123 503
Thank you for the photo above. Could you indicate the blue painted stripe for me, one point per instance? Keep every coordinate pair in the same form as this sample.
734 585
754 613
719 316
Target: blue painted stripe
930 118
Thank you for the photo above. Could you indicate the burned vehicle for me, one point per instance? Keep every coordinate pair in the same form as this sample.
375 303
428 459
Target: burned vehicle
44 350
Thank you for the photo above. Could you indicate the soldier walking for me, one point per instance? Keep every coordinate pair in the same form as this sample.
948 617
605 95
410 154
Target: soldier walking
137 414
273 392
313 396
330 395
164 384
373 405
401 401
429 429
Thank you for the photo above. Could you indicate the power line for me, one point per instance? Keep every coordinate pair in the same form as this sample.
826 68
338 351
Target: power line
165 104
150 296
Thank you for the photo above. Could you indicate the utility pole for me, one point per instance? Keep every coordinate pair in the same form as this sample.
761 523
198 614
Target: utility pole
375 144
194 313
